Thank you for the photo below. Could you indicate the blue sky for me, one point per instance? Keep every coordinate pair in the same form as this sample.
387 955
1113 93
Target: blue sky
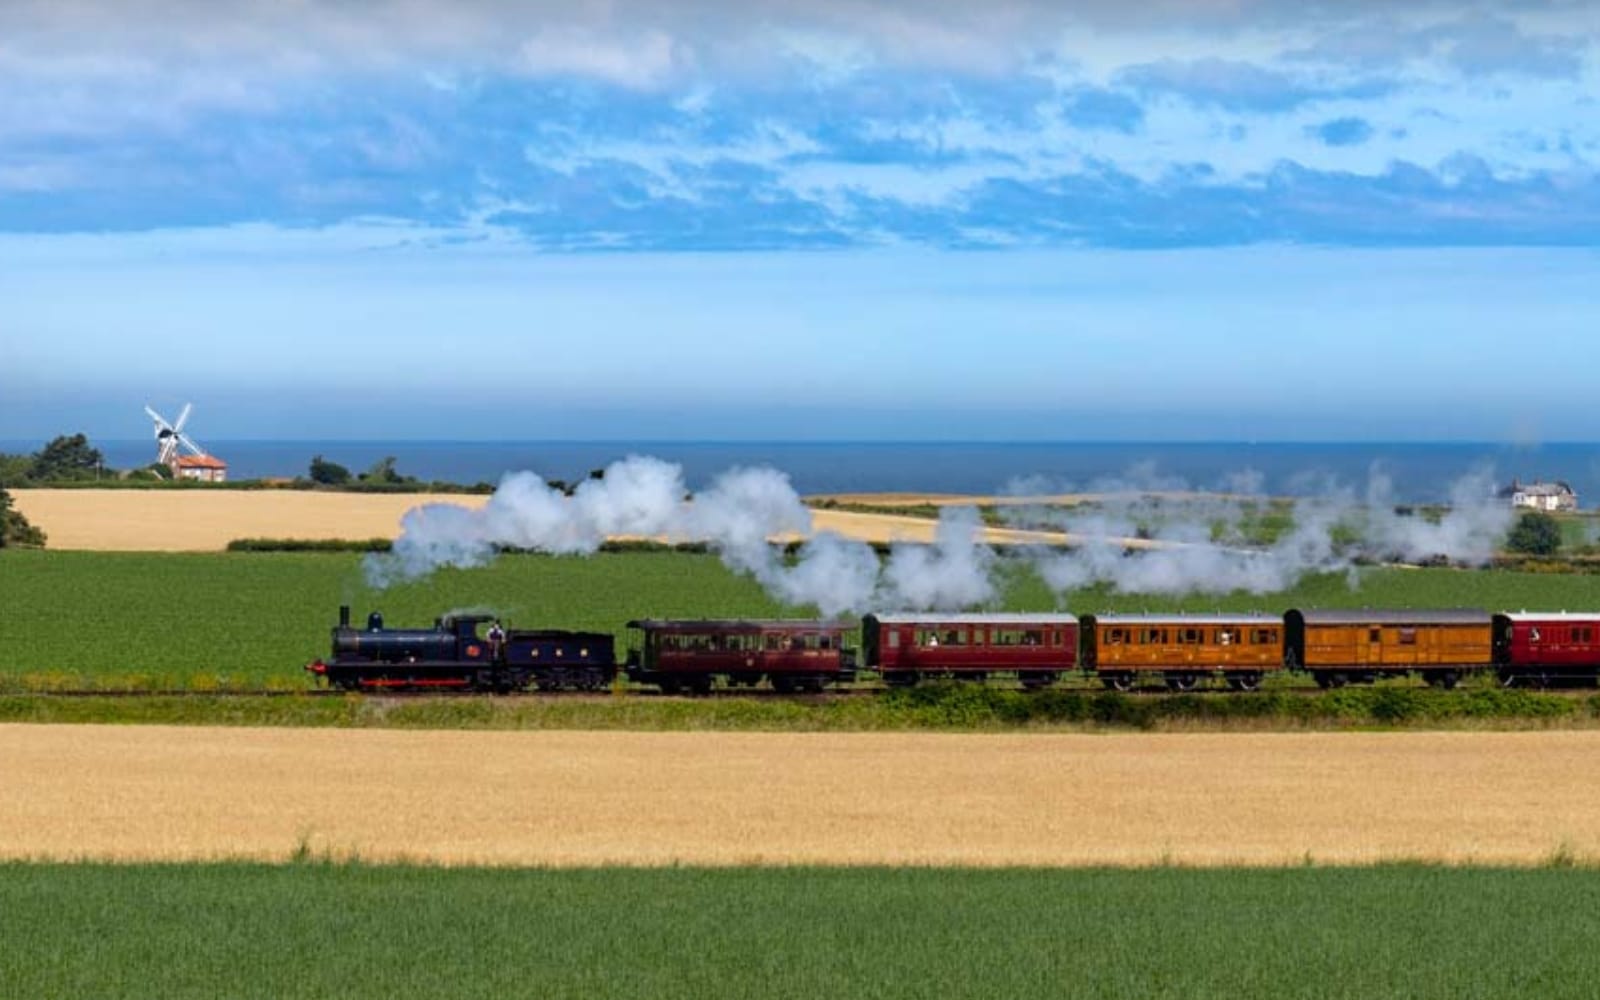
853 218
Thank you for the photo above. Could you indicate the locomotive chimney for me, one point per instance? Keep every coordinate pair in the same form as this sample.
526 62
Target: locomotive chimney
344 616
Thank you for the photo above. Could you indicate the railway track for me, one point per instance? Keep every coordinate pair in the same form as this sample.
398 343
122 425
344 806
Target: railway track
862 691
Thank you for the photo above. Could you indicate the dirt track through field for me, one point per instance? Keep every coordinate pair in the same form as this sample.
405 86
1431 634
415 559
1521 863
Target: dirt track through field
571 798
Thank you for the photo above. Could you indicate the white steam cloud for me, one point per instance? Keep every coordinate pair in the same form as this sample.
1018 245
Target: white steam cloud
738 516
1202 543
1145 535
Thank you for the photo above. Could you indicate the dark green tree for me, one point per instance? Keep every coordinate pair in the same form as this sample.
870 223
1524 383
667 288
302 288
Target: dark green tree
326 473
383 471
1535 534
66 457
14 469
14 527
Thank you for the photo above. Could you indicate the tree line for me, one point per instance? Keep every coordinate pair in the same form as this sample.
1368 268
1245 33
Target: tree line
67 458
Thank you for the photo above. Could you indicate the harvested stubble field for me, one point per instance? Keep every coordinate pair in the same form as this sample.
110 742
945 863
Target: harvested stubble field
564 799
359 931
206 521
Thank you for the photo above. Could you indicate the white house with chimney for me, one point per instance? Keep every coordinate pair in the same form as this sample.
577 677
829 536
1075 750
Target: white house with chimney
1539 495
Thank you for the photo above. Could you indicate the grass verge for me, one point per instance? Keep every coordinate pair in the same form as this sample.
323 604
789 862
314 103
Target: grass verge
935 707
318 929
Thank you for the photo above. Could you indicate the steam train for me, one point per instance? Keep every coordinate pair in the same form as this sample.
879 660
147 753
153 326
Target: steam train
1180 652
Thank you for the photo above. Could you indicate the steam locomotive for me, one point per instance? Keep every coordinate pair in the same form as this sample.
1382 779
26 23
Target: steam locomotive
465 651
1177 651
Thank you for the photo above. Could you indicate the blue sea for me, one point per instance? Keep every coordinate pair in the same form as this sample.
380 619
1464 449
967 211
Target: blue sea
1420 473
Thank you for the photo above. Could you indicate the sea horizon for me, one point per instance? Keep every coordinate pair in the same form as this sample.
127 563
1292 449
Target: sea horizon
1409 471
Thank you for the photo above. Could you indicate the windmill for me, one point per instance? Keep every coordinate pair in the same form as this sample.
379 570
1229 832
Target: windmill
170 436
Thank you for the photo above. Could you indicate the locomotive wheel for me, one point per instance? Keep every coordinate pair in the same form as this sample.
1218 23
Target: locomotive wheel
1245 682
1118 682
1182 682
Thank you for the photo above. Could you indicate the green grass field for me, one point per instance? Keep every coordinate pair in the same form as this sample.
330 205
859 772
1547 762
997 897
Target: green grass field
353 931
252 619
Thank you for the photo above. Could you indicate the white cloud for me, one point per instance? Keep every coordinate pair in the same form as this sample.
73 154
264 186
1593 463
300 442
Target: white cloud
641 61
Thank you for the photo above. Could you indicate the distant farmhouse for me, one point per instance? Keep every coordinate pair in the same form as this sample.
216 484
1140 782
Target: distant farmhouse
1541 495
206 468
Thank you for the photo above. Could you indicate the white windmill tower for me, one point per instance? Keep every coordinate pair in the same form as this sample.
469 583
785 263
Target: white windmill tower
171 441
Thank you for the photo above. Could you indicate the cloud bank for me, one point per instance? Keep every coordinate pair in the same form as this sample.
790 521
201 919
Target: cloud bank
716 126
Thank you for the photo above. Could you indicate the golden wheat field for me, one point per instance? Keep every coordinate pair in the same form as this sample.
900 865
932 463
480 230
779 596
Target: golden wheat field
202 520
578 798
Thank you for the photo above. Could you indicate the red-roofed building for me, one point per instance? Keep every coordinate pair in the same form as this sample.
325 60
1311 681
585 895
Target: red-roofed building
206 468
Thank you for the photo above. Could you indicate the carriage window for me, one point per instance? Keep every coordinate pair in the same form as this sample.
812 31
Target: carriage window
1375 635
1533 635
1154 636
927 637
1586 634
824 642
1264 636
1115 637
894 638
1190 636
1033 638
1408 637
954 637
1226 636
774 642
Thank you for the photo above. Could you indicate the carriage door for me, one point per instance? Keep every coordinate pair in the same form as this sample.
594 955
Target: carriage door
1374 647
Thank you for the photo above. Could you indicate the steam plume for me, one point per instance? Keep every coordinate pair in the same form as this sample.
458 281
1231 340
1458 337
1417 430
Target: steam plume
1200 542
644 497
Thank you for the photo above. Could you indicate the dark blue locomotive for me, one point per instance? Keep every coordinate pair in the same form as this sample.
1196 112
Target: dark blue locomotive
465 652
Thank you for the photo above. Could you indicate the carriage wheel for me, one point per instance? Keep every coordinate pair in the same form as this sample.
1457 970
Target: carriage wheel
1245 682
1182 682
1118 682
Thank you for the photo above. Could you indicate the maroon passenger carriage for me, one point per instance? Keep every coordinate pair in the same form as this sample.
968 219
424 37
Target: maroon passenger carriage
691 655
1542 648
905 648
